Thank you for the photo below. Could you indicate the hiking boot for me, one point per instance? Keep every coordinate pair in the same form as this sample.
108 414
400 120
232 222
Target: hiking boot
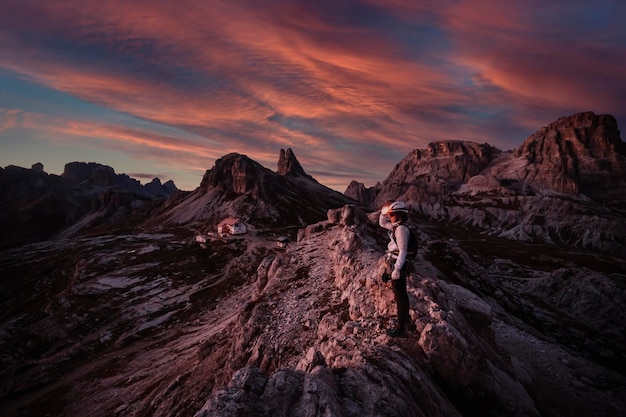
396 332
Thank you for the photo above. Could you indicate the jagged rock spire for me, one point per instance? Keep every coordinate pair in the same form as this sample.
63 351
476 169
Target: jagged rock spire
288 164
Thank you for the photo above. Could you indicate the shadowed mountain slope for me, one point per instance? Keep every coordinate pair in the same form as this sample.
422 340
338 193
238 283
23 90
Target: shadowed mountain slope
239 186
35 205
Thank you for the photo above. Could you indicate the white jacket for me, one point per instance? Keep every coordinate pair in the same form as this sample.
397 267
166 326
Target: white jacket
398 247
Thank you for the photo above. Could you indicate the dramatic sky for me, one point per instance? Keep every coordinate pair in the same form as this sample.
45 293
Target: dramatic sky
160 88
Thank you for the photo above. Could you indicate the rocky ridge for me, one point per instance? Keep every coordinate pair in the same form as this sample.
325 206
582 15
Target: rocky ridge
324 297
94 174
150 325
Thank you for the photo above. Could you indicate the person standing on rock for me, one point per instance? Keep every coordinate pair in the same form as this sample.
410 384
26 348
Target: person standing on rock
394 217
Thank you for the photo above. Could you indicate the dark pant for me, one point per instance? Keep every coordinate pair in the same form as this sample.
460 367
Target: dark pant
402 301
399 291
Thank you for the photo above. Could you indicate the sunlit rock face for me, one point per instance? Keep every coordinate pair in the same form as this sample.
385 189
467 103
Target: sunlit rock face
565 184
440 169
579 154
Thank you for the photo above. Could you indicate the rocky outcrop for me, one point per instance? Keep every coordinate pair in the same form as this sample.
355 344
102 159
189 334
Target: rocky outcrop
582 154
565 184
431 173
358 192
235 174
312 342
155 188
93 173
578 155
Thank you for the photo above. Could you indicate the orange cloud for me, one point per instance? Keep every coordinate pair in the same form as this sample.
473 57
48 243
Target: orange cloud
247 77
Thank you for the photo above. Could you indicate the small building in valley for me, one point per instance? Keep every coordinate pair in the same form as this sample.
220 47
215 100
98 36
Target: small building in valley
231 226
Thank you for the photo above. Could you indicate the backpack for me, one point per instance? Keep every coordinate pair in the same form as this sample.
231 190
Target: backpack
413 245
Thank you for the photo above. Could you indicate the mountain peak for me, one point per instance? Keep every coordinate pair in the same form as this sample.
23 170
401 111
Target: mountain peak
235 173
582 153
237 185
288 164
583 134
98 174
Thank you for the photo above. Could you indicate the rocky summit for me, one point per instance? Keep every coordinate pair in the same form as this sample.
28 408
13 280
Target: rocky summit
239 187
168 316
581 154
288 164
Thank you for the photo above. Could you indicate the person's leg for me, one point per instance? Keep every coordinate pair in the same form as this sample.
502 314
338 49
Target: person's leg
402 302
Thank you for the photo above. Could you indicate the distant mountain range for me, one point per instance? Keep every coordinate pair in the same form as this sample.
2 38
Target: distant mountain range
565 184
35 205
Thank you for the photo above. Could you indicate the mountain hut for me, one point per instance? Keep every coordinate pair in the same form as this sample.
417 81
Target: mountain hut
231 226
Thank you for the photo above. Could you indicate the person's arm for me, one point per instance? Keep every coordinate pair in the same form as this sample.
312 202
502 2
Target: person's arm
384 220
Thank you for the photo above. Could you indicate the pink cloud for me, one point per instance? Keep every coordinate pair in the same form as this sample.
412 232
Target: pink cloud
9 118
329 81
143 144
537 60
251 78
554 57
